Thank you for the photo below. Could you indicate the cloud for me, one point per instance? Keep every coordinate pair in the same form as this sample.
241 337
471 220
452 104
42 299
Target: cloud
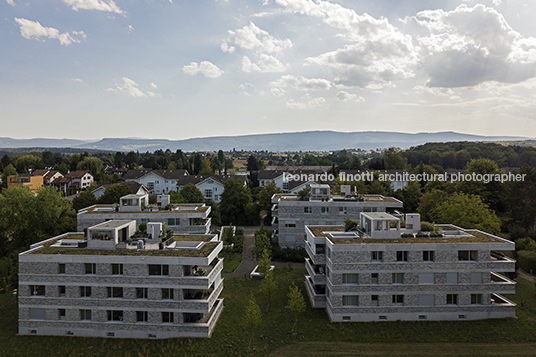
77 80
99 5
207 68
249 89
131 88
266 63
153 85
306 103
468 46
301 83
251 37
344 96
34 30
377 52
130 28
10 2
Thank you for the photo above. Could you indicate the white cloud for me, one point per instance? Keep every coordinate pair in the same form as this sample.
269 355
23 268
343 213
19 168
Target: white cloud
249 89
377 53
277 92
130 28
266 63
301 83
344 96
153 85
251 37
34 30
77 80
131 88
468 46
10 2
99 5
306 103
207 68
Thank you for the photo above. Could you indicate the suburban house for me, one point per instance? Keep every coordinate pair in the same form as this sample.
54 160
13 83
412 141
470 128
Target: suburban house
290 214
157 181
210 186
135 188
292 180
379 271
31 182
399 178
48 175
107 283
79 179
180 218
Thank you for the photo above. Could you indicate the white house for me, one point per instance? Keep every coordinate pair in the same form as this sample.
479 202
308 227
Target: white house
210 186
135 188
156 181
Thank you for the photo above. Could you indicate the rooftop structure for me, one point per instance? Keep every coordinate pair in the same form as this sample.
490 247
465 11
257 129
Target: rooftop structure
290 214
108 283
379 271
180 218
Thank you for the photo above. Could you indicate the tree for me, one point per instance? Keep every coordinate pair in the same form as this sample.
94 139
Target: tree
252 317
9 170
92 164
48 158
492 192
265 262
176 197
263 242
228 165
84 199
466 211
304 194
429 201
114 193
234 199
254 164
296 303
412 196
521 203
393 160
264 198
221 157
191 194
269 286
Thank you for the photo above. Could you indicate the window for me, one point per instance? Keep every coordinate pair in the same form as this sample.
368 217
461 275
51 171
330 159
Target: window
476 299
157 269
476 278
216 197
208 194
402 256
61 314
85 291
398 278
374 300
376 256
452 299
150 186
350 278
467 255
142 293
426 300
428 256
85 315
114 315
61 268
173 221
117 269
350 300
145 220
90 268
167 317
37 290
167 294
324 209
398 300
290 225
115 292
307 209
374 278
343 210
426 278
452 278
285 186
61 291
142 316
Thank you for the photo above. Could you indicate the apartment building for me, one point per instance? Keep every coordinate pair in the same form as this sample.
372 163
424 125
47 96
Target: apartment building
180 218
106 283
290 214
381 272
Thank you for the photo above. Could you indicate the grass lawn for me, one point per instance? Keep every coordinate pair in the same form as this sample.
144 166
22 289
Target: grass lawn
316 335
232 260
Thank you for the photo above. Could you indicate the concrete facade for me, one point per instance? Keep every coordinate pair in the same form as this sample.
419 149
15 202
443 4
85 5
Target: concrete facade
290 215
453 276
164 290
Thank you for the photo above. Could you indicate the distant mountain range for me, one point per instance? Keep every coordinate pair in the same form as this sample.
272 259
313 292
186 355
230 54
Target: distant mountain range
299 141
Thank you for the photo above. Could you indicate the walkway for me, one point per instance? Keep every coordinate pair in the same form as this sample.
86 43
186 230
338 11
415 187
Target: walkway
248 263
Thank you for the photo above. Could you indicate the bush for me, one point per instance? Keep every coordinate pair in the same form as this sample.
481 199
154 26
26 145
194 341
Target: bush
428 227
279 254
527 260
407 235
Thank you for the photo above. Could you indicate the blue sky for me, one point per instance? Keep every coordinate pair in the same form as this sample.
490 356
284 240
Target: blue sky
89 69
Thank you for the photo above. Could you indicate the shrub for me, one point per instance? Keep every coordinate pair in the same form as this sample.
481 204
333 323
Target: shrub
527 260
428 227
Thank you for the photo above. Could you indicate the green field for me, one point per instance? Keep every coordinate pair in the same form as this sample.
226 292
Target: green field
316 335
232 260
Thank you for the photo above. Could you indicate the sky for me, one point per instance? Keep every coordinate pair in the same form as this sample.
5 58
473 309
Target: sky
171 69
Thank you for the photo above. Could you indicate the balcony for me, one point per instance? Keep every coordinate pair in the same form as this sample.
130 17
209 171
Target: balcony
502 284
317 293
316 272
201 300
202 325
275 210
317 259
